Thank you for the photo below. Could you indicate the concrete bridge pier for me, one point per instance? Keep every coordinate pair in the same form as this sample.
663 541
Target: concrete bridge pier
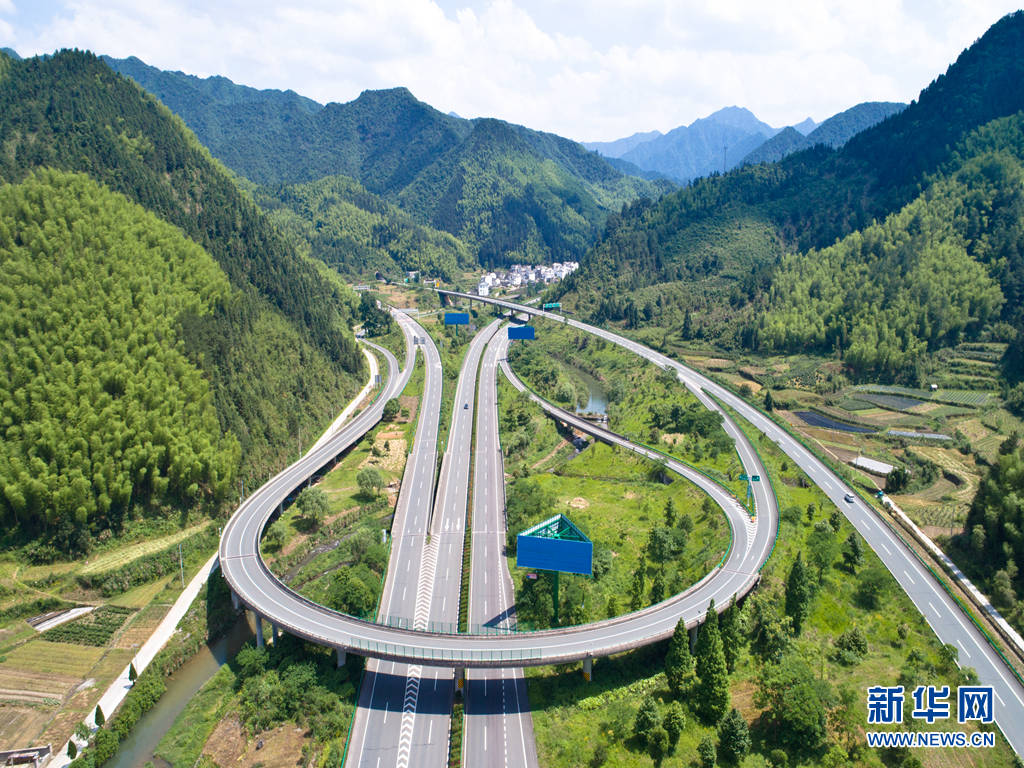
460 679
693 636
342 655
588 668
259 629
275 632
234 601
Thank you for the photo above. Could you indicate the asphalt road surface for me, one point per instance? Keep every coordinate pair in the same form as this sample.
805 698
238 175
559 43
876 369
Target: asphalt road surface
498 726
384 732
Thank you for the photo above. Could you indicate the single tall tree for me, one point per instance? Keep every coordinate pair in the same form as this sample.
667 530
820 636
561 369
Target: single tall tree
98 717
647 718
798 594
732 636
733 737
679 662
712 688
670 513
853 552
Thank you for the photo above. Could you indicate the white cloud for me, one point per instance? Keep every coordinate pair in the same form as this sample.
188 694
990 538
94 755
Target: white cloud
596 69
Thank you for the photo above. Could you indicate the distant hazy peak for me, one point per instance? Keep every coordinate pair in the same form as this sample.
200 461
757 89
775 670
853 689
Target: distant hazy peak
619 147
736 117
11 52
805 126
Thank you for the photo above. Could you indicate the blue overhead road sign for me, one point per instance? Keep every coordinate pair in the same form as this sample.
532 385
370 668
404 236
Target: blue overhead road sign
521 332
456 318
555 545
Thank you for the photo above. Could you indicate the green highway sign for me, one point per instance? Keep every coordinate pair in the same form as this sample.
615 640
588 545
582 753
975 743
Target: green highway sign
744 476
756 478
553 305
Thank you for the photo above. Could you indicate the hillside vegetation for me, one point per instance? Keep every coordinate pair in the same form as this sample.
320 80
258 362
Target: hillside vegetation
358 233
264 347
715 250
512 194
927 277
102 411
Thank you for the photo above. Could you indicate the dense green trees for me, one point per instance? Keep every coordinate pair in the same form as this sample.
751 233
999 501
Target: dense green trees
794 701
277 352
799 592
993 544
102 411
293 681
376 321
509 193
887 294
712 689
358 233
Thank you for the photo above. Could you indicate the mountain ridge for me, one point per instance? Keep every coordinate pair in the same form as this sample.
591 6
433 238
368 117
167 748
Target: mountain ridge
549 203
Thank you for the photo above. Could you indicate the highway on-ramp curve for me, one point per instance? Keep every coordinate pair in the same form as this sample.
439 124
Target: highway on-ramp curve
946 618
253 583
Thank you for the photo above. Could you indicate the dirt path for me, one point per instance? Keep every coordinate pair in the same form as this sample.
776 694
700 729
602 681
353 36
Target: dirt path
551 455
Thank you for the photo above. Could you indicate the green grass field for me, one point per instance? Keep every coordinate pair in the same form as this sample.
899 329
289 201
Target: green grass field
124 555
57 658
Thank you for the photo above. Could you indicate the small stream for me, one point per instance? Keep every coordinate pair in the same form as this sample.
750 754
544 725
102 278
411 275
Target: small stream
598 399
138 748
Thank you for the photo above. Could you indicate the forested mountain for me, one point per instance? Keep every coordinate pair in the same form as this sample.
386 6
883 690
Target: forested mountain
938 271
273 344
11 53
101 408
704 146
358 233
785 142
834 132
731 232
511 193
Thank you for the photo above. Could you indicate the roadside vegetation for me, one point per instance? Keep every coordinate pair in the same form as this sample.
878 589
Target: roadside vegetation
645 404
826 622
654 533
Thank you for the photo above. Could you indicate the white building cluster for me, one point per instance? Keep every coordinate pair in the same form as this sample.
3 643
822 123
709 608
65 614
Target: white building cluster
523 274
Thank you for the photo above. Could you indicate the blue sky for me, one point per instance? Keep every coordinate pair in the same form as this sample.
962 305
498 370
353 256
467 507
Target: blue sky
589 70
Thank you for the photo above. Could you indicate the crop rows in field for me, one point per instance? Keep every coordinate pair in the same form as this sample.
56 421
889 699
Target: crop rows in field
953 396
95 628
893 402
854 404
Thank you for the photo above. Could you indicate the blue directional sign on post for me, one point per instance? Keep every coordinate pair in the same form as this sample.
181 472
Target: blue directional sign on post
521 332
456 318
555 545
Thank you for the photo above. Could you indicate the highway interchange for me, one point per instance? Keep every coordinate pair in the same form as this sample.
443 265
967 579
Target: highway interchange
405 700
